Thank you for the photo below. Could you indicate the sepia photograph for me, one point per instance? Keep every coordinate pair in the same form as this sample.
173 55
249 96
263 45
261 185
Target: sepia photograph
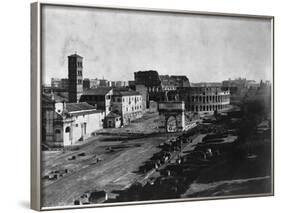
146 105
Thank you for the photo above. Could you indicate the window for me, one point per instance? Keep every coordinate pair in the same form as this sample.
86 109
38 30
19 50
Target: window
79 64
57 131
67 129
85 128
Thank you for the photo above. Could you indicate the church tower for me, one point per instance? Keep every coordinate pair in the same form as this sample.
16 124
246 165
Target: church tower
75 77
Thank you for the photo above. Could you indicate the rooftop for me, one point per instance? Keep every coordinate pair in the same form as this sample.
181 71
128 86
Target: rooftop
125 93
98 91
52 97
74 107
75 55
113 115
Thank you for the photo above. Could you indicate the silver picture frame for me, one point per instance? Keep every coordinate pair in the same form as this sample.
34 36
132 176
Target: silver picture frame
36 104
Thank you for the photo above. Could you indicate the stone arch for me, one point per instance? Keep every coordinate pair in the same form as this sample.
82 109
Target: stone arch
67 129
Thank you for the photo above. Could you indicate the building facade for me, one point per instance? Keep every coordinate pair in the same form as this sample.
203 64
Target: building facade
153 106
64 83
173 82
65 124
90 83
56 82
48 117
141 89
128 104
75 77
61 83
75 122
99 97
166 83
180 80
150 79
49 100
119 83
202 99
113 120
158 85
104 83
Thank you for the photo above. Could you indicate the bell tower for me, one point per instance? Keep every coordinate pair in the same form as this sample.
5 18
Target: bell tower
75 77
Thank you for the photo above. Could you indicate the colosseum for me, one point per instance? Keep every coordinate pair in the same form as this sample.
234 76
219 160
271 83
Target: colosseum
201 99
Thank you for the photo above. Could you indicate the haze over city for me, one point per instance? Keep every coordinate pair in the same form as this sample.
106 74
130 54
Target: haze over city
141 106
171 44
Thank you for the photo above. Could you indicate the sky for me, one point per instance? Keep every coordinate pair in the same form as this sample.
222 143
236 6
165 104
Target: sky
116 43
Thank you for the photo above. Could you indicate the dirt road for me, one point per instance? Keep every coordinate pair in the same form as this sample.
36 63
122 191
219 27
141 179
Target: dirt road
115 171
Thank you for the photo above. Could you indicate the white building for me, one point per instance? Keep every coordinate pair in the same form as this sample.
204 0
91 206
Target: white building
128 104
113 120
75 122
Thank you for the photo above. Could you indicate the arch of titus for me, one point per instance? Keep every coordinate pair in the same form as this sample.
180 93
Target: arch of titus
190 100
171 116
